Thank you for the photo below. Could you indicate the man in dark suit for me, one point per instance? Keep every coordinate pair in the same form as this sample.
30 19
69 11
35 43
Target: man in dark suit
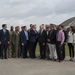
24 41
42 42
52 42
47 44
33 41
4 41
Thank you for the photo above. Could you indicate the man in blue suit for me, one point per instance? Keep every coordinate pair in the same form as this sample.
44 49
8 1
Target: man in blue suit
4 41
24 41
33 41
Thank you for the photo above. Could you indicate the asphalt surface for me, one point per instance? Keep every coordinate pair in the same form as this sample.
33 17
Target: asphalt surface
36 67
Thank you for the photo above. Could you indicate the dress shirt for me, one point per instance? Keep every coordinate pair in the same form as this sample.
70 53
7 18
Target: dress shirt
70 37
26 33
74 37
60 36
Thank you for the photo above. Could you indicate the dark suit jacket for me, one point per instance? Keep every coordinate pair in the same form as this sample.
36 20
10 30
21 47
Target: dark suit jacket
23 37
33 36
47 36
66 35
2 37
52 36
42 37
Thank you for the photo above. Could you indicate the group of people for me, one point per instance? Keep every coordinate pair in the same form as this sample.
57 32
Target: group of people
51 39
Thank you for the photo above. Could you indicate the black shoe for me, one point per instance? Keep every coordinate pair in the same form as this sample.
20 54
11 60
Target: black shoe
2 58
60 61
50 59
41 58
6 58
54 59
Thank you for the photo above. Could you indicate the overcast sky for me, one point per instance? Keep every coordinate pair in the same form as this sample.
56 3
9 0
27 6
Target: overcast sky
25 12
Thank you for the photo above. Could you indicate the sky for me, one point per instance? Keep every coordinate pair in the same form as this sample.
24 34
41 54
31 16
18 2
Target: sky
26 12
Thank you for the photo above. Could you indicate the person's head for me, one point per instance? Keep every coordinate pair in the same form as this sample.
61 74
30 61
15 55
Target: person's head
11 28
70 28
17 28
34 26
4 26
22 28
73 30
47 28
31 25
62 26
52 26
25 28
41 27
59 28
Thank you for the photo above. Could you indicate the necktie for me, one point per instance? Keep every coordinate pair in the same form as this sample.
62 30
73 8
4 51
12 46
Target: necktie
41 32
5 35
26 35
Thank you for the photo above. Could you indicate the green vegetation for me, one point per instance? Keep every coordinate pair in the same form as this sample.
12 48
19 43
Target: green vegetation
67 50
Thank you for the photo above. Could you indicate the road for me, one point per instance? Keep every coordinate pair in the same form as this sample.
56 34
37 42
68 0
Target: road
36 67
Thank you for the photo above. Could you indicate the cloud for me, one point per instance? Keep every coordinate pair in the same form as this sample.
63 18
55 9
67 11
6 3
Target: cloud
25 12
65 7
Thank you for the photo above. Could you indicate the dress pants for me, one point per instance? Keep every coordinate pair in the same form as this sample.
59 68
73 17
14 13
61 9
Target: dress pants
4 47
0 51
24 51
71 49
42 51
47 51
59 50
52 48
32 49
63 51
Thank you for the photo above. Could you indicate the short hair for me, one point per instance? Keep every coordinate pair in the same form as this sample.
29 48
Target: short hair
47 26
34 25
61 26
16 26
11 27
4 25
30 25
43 24
24 26
51 24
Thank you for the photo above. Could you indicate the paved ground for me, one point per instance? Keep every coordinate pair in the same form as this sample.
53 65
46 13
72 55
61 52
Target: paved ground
36 67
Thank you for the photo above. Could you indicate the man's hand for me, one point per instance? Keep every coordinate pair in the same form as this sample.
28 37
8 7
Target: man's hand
65 43
48 40
60 45
8 42
22 44
43 43
47 43
73 44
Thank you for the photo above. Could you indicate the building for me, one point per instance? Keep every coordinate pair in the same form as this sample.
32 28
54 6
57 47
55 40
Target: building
69 22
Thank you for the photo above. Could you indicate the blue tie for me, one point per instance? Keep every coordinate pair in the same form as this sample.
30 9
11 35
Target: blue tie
26 35
5 35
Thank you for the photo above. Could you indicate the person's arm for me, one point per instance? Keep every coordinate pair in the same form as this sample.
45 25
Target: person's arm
0 36
53 36
8 37
32 33
74 38
44 40
62 38
22 39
